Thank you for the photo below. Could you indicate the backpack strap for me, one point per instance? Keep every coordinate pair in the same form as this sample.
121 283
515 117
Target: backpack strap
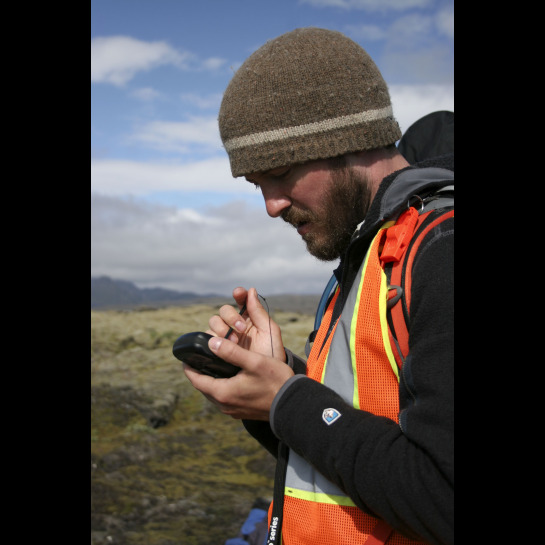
402 243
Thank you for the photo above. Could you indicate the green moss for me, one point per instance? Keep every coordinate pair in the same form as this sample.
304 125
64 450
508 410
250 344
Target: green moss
192 480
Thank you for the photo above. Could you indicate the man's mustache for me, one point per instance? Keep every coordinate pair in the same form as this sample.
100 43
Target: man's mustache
296 217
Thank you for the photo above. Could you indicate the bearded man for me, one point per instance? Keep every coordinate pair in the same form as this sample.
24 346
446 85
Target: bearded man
363 433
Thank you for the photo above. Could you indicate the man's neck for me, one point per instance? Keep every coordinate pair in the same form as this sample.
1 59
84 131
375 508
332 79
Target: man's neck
375 165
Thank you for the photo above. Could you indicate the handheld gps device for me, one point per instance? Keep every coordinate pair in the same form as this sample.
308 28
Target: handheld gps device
192 348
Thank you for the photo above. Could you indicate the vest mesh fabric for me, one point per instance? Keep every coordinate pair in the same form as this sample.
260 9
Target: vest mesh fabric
328 523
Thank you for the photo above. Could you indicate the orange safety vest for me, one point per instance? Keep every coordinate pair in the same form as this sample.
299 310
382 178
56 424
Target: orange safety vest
365 374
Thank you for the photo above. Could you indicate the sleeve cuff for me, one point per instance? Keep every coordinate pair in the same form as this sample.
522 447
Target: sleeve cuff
280 393
298 364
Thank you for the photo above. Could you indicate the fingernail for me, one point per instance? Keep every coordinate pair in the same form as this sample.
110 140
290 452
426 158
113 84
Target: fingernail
214 343
240 326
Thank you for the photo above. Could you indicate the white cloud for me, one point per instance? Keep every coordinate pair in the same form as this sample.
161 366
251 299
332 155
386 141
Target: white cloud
146 94
117 59
228 246
180 136
188 215
213 63
445 21
139 178
411 102
203 102
370 5
415 46
410 30
367 33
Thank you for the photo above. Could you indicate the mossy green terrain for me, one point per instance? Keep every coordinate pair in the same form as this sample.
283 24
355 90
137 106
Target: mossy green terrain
166 467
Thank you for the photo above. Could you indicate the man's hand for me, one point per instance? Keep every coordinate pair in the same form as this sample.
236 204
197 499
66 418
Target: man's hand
250 393
257 333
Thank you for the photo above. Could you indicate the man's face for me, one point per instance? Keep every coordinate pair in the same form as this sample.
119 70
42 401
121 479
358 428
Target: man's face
323 200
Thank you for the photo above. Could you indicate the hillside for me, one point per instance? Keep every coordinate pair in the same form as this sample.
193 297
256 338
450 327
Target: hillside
108 293
166 467
111 293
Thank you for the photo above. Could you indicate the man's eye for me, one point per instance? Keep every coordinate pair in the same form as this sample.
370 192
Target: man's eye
256 185
281 174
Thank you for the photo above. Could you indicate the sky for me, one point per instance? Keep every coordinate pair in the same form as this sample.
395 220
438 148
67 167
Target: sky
165 210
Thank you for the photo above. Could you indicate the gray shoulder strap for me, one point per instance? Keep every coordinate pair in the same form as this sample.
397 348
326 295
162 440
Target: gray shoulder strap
411 181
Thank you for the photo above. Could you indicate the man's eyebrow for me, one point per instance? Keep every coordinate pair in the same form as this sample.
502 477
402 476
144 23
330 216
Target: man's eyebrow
265 173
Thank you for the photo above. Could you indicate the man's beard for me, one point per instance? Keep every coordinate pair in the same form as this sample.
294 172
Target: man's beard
343 209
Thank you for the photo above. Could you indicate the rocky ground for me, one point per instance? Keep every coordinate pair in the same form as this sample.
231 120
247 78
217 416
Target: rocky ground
166 467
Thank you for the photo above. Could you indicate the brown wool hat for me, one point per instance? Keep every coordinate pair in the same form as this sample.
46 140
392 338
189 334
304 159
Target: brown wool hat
308 94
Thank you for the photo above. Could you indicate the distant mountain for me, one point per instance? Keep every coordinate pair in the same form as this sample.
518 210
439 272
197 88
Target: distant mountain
107 292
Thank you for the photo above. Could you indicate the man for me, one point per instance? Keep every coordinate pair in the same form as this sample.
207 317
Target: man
308 119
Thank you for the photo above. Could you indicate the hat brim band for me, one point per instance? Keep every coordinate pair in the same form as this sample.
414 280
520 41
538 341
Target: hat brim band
326 125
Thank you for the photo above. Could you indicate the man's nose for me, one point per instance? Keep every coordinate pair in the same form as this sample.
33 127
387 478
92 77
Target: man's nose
276 201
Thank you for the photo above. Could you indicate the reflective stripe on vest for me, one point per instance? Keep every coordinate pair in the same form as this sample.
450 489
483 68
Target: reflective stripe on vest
357 362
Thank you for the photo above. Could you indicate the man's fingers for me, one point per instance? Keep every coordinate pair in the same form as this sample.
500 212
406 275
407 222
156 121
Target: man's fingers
229 351
201 382
256 311
233 318
239 295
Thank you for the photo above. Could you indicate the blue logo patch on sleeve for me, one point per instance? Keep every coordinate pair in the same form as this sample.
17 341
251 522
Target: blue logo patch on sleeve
330 415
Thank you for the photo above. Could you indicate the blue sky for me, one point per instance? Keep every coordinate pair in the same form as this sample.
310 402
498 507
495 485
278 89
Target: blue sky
165 209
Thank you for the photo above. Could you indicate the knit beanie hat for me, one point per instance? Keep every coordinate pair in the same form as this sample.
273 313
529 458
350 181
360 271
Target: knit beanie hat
309 94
